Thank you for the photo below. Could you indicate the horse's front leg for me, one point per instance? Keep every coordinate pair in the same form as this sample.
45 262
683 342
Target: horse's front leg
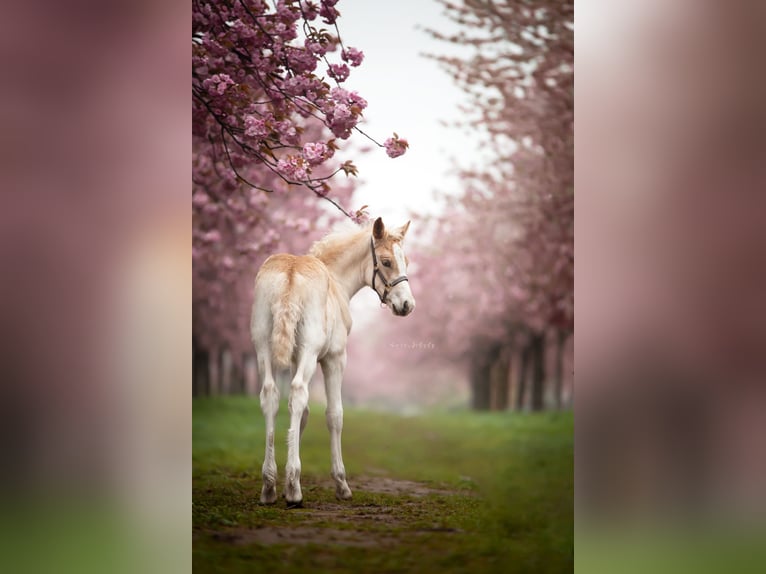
298 407
332 367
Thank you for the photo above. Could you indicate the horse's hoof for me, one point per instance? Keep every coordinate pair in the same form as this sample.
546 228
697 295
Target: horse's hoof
294 504
343 493
268 495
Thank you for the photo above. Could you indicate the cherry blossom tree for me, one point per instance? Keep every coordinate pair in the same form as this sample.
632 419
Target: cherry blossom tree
270 113
503 254
259 75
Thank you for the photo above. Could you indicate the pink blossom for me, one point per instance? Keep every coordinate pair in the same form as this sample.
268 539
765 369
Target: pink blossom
328 12
310 10
223 81
352 56
287 131
200 199
212 236
360 217
395 146
255 127
315 47
315 153
302 224
293 167
341 112
339 72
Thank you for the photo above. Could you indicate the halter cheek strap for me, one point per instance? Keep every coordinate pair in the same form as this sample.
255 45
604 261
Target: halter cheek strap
376 272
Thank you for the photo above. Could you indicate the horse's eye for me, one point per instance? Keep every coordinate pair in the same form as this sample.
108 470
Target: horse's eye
386 263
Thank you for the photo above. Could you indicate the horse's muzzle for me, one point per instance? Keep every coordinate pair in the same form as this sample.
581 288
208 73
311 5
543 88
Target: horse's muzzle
404 310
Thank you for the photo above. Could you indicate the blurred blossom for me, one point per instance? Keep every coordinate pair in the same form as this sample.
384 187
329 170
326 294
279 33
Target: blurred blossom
352 56
671 246
95 294
338 72
395 146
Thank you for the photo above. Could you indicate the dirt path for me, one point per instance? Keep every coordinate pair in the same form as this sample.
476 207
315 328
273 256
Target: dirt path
362 524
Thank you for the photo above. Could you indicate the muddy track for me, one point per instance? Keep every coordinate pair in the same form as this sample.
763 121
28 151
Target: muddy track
349 524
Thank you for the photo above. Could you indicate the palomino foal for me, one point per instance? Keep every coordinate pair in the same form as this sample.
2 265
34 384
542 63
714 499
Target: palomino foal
301 317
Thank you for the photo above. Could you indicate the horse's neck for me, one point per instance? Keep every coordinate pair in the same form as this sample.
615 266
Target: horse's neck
348 263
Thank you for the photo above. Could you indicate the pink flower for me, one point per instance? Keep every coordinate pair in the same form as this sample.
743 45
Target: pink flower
351 98
310 10
255 127
224 81
328 12
341 112
316 48
287 132
338 72
293 167
396 146
302 224
199 199
352 56
217 83
315 153
212 236
361 216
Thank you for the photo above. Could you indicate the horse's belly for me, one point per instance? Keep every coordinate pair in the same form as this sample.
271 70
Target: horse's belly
337 328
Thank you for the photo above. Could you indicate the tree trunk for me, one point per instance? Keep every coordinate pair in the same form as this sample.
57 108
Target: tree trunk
214 367
227 365
538 372
522 382
200 372
480 387
499 380
251 376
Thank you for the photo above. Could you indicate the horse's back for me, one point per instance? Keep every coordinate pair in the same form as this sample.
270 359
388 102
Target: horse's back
285 271
289 290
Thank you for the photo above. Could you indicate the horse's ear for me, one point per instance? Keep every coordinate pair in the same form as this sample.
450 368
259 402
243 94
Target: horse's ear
403 229
378 230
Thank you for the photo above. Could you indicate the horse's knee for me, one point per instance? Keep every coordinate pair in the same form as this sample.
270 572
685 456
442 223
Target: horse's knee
269 398
334 418
299 398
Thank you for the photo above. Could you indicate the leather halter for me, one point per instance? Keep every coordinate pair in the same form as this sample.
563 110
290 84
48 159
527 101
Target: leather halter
375 272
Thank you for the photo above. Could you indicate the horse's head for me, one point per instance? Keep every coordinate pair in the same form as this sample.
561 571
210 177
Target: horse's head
389 275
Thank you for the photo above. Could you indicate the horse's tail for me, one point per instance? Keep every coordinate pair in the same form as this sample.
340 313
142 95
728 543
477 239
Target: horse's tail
286 313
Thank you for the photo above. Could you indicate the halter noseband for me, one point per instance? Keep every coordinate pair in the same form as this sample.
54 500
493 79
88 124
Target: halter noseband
375 272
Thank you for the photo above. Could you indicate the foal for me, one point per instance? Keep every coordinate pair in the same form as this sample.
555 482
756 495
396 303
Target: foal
301 317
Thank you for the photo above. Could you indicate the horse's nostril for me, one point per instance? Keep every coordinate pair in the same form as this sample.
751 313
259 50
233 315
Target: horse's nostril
406 306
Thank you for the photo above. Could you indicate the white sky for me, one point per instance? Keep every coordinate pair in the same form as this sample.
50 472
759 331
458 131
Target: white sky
408 94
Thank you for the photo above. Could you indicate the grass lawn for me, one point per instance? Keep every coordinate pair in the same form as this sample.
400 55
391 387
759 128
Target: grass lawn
441 492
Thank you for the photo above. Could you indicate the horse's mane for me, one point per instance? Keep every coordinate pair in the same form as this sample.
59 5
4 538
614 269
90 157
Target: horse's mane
338 240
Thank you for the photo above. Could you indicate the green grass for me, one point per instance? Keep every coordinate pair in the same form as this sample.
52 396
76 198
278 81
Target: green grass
495 493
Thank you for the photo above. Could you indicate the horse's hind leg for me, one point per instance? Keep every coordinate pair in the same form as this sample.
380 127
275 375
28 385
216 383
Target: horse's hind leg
305 416
298 407
332 367
269 406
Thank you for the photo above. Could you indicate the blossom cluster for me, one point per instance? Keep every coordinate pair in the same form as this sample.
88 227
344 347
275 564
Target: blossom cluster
396 146
256 81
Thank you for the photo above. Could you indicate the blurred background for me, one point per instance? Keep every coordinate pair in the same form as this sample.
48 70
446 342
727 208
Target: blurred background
670 434
97 275
484 95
